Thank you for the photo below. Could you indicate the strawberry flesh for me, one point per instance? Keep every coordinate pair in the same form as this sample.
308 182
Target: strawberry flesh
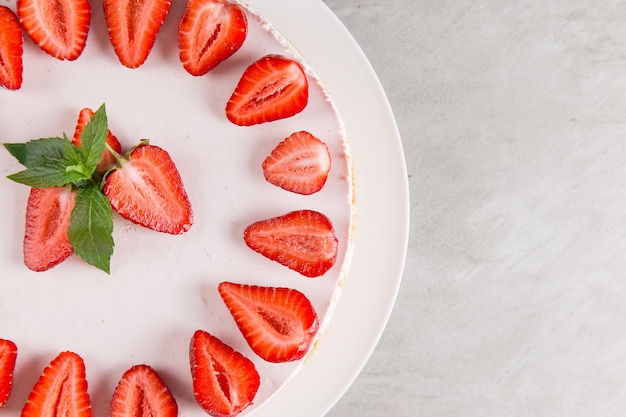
61 390
224 381
279 324
48 212
272 88
11 50
59 27
302 240
8 357
299 164
133 27
142 393
147 189
108 159
209 33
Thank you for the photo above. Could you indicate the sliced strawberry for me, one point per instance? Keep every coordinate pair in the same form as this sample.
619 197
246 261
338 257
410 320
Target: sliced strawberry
61 390
11 49
107 157
272 88
142 393
299 164
303 240
209 32
59 27
147 189
279 324
133 27
224 381
8 356
48 212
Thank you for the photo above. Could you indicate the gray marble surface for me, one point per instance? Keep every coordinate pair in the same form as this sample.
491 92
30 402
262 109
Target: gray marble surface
513 122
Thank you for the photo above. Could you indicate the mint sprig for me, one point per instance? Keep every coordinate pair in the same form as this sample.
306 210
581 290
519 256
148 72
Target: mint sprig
57 162
91 227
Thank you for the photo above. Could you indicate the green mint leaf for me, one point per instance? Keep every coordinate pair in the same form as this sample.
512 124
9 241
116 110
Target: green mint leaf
91 227
93 139
47 174
49 162
36 151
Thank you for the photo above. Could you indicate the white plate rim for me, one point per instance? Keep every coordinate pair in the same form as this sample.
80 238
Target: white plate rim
382 197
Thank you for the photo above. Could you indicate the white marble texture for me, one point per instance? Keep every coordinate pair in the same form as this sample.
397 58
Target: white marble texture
513 119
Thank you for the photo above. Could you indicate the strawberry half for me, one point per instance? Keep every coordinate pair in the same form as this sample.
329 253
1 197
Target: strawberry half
108 159
302 240
299 164
48 212
59 27
209 32
8 356
147 189
224 381
133 27
11 50
142 393
272 88
279 324
61 390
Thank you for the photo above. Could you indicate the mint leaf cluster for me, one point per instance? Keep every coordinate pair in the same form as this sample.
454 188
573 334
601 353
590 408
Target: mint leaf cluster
57 162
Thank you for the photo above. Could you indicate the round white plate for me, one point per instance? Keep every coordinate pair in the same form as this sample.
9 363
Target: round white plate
381 235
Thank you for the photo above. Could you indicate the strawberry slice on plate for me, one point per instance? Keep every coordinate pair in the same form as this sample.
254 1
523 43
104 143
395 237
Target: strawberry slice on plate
108 159
279 324
209 32
272 88
224 381
302 240
142 393
61 390
59 27
8 357
46 242
146 188
299 164
11 50
133 27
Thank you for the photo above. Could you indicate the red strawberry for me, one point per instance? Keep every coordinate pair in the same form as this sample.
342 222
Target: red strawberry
209 32
11 50
59 27
224 381
147 189
133 27
303 240
299 164
108 159
142 393
48 213
279 324
8 356
61 390
272 88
